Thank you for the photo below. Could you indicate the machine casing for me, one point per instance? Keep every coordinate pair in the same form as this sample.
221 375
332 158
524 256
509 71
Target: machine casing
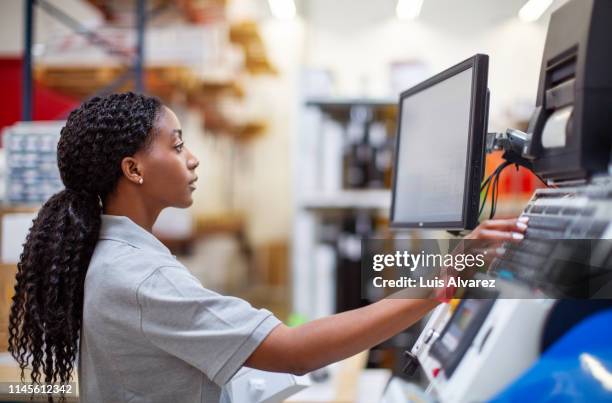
575 89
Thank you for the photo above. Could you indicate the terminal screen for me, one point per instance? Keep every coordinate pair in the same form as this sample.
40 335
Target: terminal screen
433 152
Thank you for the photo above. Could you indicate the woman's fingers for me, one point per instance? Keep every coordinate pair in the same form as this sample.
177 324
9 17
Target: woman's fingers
510 225
501 230
500 235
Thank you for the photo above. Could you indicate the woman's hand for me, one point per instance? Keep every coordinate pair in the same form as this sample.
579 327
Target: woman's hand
486 240
501 230
491 234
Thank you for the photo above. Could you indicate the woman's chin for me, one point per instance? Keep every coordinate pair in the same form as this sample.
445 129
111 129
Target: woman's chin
187 202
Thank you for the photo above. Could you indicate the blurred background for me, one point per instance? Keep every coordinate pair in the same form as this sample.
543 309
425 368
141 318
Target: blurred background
290 105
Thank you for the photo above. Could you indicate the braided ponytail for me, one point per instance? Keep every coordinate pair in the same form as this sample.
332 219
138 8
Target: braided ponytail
46 313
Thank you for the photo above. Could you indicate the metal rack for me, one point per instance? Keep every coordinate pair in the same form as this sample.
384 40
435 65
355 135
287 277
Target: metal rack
135 59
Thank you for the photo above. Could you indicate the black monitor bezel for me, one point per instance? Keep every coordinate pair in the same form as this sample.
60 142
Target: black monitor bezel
476 153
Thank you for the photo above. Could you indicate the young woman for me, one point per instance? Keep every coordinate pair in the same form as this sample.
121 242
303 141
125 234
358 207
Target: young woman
93 281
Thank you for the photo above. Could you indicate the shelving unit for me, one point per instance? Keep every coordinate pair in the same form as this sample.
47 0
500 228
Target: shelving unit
348 199
333 209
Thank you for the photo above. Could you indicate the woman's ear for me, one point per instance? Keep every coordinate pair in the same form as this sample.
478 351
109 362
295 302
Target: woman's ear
131 169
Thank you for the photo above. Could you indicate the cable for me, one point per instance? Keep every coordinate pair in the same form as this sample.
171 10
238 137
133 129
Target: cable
491 212
487 183
542 180
495 191
492 184
483 203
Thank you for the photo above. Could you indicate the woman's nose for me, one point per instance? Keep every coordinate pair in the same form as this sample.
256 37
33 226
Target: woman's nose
193 162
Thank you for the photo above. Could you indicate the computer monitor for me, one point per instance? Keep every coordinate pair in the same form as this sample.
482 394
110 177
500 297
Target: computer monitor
439 155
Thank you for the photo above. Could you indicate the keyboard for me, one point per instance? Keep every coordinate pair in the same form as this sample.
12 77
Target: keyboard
567 250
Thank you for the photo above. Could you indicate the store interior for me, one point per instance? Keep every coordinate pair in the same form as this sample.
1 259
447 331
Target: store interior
291 106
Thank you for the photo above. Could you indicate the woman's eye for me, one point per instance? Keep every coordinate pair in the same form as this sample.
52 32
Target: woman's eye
179 147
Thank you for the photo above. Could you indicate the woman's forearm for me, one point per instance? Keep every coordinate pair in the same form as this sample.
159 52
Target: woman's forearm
323 341
336 337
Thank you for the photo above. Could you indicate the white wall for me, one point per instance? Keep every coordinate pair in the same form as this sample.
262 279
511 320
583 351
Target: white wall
358 44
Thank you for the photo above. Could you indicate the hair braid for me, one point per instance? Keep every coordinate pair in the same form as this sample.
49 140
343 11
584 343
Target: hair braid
46 313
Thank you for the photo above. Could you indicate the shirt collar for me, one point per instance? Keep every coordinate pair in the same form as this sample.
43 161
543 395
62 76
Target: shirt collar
122 229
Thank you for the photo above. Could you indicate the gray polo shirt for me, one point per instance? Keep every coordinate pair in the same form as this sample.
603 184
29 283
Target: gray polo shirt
151 332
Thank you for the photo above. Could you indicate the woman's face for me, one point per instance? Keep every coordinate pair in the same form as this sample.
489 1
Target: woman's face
168 167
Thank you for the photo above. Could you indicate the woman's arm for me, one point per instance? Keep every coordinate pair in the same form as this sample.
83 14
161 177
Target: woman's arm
323 341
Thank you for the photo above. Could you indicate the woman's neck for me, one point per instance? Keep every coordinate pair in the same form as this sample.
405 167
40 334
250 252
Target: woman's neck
125 202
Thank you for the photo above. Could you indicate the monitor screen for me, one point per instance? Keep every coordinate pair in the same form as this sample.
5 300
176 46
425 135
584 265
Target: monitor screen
440 149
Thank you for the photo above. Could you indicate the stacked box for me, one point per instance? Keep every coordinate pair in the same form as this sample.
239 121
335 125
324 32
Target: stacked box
32 175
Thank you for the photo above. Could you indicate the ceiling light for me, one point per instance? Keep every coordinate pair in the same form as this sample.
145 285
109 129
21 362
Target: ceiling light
282 9
408 9
533 10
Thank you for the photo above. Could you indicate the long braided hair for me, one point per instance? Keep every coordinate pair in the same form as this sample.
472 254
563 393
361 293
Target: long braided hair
46 312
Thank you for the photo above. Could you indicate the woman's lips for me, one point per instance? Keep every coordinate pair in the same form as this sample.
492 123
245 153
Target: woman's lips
192 185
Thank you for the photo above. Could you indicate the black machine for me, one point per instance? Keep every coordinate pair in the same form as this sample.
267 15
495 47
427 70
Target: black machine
569 139
447 113
571 129
569 136
566 252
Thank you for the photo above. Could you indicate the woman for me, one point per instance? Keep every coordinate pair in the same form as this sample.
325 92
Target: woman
93 280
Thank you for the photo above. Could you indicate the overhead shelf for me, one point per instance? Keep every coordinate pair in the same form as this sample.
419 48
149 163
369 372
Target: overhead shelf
332 102
193 11
340 109
348 199
246 35
84 80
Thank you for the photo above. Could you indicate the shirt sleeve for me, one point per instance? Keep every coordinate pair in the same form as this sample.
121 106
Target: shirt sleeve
212 332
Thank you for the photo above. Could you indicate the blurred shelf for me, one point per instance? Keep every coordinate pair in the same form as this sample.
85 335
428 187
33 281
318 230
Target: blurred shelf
12 208
348 199
381 199
163 81
120 12
341 109
246 35
83 80
229 223
7 290
207 90
333 102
